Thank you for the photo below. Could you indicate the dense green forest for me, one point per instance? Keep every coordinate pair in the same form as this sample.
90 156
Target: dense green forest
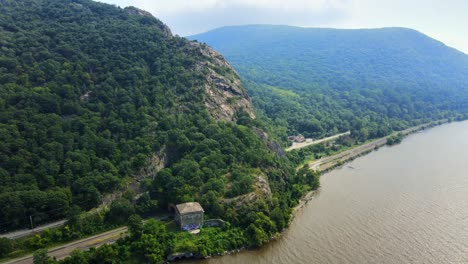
89 92
90 96
322 81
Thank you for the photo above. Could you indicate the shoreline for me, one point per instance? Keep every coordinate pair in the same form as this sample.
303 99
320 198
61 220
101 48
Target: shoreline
327 163
337 163
331 162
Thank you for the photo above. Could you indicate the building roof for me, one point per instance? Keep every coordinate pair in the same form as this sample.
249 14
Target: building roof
186 208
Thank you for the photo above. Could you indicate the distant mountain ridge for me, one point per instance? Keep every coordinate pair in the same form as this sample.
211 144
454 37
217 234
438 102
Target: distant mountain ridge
328 49
392 73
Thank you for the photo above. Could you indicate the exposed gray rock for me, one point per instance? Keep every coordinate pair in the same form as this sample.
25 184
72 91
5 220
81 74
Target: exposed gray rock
262 191
154 164
276 147
271 144
131 10
224 94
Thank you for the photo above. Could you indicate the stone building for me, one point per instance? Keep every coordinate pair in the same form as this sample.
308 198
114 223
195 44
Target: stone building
189 216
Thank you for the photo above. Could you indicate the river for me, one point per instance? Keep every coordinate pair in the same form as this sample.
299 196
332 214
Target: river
402 204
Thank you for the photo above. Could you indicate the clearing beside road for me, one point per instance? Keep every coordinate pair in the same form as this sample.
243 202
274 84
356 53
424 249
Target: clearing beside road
296 145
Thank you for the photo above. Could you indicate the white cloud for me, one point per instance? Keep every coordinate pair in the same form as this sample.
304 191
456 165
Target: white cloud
186 17
177 6
445 20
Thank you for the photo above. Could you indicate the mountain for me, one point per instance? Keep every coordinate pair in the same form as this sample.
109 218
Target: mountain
99 102
338 79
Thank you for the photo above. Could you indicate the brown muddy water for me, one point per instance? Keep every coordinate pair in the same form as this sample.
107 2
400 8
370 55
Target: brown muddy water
402 204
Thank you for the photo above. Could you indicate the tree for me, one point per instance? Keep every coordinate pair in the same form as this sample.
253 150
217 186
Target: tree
120 210
74 220
40 256
105 254
6 246
76 257
280 217
144 204
153 242
151 248
256 235
88 195
135 226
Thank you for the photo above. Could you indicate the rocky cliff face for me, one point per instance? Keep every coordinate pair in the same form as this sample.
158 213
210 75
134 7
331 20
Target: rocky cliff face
262 191
224 95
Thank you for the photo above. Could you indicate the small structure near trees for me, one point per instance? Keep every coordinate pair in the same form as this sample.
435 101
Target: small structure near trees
297 139
189 216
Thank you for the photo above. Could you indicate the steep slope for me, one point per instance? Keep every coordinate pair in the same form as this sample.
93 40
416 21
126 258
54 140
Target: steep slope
345 79
91 94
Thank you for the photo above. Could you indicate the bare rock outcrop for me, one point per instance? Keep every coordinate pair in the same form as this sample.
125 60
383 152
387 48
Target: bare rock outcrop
155 163
271 144
224 95
262 191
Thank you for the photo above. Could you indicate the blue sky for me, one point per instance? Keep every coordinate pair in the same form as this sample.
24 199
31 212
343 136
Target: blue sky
445 20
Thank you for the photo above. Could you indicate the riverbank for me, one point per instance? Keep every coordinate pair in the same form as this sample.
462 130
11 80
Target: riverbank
336 160
399 204
329 163
324 165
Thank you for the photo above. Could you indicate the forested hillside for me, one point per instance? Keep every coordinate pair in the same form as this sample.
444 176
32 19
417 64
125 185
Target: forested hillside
92 95
321 81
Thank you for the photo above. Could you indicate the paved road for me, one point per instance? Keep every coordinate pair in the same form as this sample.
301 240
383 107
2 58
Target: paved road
330 161
305 144
27 232
65 250
326 163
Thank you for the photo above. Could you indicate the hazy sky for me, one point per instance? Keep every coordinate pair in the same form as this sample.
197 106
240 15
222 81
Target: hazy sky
445 20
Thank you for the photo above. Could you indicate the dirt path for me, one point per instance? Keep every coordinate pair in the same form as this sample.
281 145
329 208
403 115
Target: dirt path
309 143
